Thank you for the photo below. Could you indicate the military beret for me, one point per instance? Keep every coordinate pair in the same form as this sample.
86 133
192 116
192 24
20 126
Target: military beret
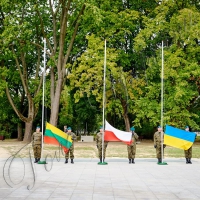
37 127
132 128
159 127
186 126
100 127
69 128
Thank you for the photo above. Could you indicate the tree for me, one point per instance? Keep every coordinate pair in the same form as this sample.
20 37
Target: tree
22 42
181 79
22 61
87 77
8 118
60 33
119 24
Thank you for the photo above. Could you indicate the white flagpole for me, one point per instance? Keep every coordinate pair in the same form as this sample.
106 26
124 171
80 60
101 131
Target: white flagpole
43 91
104 100
162 88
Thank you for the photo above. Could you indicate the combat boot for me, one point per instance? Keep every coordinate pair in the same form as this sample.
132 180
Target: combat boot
129 161
159 160
36 160
187 160
133 161
72 161
66 160
101 160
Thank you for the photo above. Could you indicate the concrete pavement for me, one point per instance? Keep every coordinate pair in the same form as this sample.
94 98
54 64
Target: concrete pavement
86 180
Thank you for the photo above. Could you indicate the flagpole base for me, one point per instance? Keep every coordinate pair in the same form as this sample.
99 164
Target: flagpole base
43 162
102 163
162 163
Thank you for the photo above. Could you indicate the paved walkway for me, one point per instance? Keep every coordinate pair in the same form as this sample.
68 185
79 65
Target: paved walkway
116 181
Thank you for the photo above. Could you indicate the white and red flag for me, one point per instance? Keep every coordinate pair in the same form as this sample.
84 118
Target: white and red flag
114 135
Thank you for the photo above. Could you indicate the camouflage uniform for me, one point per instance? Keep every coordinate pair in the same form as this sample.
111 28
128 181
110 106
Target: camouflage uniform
157 145
132 147
99 145
188 153
36 143
71 149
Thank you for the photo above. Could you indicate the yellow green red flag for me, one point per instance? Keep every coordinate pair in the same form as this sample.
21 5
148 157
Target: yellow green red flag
55 136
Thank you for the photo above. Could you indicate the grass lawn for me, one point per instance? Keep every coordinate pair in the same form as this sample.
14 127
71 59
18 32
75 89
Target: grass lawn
88 150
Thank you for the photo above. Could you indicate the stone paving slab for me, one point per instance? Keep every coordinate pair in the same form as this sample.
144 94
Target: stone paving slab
87 180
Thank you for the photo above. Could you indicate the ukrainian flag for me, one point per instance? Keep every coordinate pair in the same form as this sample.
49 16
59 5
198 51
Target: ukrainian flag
178 138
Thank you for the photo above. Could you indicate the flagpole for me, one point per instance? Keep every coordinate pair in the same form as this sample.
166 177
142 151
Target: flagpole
162 97
104 102
43 95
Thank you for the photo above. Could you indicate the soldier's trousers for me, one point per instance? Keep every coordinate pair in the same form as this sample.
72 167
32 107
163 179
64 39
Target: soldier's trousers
131 151
188 153
100 151
158 152
37 150
70 153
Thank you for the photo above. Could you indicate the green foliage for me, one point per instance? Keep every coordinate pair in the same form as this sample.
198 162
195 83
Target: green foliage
66 112
181 67
133 31
5 134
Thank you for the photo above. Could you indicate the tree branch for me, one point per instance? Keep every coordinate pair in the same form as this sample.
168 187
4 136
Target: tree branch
73 36
24 119
43 32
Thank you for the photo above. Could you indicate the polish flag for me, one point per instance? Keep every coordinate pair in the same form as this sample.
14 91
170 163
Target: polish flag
114 135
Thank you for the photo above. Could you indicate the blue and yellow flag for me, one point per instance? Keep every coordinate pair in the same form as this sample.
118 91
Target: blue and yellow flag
178 138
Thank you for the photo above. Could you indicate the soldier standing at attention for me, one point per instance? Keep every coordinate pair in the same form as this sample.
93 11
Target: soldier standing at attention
132 147
71 149
36 143
157 143
99 144
188 153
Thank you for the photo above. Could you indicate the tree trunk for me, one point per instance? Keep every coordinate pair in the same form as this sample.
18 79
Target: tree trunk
62 55
125 115
19 132
56 103
28 131
127 123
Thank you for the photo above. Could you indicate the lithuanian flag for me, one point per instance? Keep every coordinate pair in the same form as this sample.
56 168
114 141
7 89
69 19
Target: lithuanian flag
178 138
55 136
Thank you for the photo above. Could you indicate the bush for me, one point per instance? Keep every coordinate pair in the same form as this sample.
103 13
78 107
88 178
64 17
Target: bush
197 139
5 134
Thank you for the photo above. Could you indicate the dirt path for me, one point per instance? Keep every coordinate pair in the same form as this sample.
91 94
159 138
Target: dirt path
4 153
82 149
145 149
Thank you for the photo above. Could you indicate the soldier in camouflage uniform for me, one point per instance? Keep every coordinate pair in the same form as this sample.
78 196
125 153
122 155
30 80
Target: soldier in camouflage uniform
71 149
99 144
36 143
132 147
188 153
157 143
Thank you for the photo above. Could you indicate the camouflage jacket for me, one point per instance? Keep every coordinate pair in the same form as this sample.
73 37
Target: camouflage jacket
36 138
72 135
99 139
134 138
157 138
